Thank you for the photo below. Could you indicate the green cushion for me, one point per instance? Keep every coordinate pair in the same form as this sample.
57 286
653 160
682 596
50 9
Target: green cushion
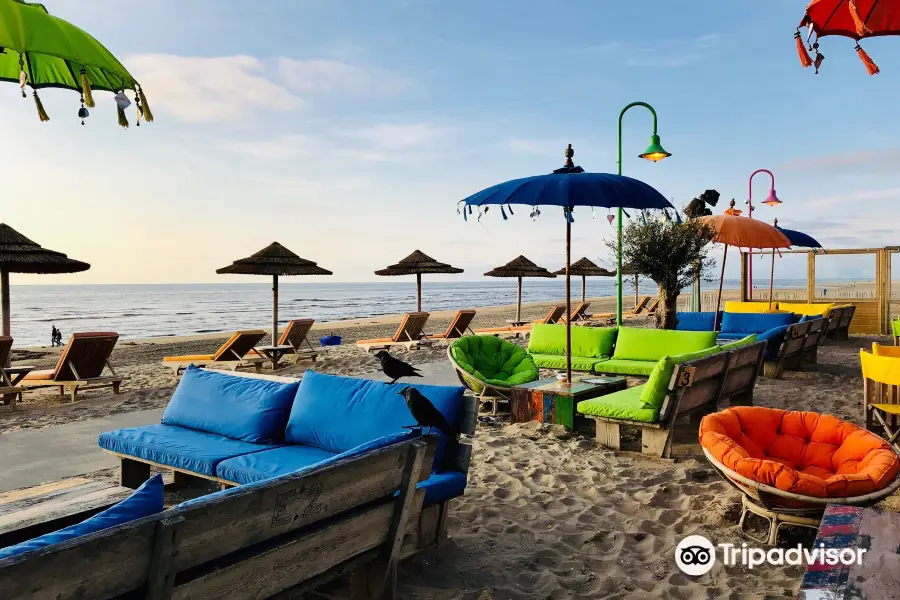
589 342
750 339
658 385
653 344
493 360
625 404
554 361
625 367
895 327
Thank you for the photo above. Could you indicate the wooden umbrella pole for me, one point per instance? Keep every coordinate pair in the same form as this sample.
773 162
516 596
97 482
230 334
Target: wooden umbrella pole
4 292
519 302
772 279
418 292
568 298
274 310
719 296
583 288
635 290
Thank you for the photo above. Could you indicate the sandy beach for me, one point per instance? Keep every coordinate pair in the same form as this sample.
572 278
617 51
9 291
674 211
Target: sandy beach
547 513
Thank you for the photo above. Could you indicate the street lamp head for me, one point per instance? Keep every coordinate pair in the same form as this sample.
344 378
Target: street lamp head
655 151
772 199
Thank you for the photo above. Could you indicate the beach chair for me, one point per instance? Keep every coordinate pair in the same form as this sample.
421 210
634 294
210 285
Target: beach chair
408 334
651 309
231 354
881 391
8 391
295 336
552 317
638 309
80 366
457 327
580 313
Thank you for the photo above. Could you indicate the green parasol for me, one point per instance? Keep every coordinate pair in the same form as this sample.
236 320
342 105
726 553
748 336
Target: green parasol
40 50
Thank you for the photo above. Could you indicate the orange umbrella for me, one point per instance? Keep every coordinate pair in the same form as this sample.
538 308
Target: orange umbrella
734 230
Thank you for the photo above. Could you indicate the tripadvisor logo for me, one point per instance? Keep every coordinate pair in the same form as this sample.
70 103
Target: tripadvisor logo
695 555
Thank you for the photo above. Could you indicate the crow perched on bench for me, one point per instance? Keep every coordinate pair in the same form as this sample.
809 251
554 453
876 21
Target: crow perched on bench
425 414
394 367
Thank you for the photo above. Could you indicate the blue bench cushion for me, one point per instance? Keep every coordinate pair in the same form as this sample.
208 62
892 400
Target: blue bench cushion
443 486
695 321
242 408
341 413
773 339
145 501
178 447
754 322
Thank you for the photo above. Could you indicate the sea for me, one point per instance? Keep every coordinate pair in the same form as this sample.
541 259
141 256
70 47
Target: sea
158 310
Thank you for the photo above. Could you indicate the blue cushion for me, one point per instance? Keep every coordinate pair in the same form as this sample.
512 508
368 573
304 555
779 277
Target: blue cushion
250 410
695 321
806 318
340 413
145 501
773 338
443 486
178 447
754 322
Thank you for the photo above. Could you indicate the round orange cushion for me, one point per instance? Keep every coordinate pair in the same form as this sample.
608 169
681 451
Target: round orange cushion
804 453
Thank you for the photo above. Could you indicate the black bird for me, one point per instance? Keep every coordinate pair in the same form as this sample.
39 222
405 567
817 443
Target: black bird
394 367
425 414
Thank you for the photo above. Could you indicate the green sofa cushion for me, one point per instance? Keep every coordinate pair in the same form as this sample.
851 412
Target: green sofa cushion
493 360
555 361
750 339
588 342
653 344
625 404
625 367
658 385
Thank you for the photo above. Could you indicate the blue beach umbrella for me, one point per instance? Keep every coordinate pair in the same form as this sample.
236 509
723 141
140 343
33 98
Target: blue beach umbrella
798 239
568 187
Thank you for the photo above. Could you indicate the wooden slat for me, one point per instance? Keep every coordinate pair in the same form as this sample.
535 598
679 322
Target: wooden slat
74 500
209 529
710 367
12 501
704 392
737 380
469 415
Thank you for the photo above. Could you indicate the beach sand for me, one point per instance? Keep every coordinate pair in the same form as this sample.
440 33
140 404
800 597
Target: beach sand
547 513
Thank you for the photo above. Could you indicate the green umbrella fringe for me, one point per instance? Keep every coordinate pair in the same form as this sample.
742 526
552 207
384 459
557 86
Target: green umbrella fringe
86 89
148 116
42 114
123 120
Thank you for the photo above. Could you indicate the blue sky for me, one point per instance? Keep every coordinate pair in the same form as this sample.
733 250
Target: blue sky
347 130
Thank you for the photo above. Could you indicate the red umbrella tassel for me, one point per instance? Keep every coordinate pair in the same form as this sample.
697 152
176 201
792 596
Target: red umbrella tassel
871 67
805 59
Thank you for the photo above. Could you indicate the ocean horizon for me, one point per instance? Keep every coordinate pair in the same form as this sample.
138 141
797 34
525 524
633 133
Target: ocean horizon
162 310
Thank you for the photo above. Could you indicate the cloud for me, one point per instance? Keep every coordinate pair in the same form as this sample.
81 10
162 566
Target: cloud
395 137
883 159
322 76
198 89
891 194
671 53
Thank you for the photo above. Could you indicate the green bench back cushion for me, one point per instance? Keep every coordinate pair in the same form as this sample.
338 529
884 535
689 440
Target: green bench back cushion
657 386
654 344
493 360
588 342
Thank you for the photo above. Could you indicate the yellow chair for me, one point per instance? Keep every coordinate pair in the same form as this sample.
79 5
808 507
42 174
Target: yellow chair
881 390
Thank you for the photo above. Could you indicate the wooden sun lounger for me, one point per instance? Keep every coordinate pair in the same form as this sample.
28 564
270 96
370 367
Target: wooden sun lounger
8 391
695 390
651 309
457 327
636 311
80 366
295 336
580 313
231 354
408 334
552 317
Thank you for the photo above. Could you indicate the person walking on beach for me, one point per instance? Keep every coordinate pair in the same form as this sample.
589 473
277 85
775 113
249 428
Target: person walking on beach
59 337
53 334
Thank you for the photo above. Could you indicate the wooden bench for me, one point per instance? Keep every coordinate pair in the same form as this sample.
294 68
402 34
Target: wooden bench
839 323
694 390
295 532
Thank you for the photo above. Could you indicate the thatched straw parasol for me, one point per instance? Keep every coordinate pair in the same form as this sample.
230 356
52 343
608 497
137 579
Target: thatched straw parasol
274 260
416 264
18 254
584 268
520 267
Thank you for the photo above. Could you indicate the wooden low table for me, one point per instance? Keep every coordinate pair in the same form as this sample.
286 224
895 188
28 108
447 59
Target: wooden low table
14 375
878 577
552 401
274 353
515 323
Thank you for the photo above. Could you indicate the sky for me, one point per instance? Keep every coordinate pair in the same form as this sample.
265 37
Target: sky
347 130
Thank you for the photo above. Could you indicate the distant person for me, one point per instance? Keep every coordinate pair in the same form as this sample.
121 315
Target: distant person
53 332
824 291
59 337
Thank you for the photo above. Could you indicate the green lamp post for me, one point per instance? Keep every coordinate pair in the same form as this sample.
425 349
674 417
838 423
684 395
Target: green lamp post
653 153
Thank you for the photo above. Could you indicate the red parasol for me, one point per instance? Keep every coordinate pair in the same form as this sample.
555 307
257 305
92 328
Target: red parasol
855 19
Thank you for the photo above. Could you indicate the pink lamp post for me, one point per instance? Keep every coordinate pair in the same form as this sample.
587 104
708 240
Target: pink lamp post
771 200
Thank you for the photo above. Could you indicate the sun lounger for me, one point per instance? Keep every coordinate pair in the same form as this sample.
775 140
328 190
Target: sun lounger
651 309
636 311
295 336
232 354
8 391
457 327
580 313
552 317
80 366
408 334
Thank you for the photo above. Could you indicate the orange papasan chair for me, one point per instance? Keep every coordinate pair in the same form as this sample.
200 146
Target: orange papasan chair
789 464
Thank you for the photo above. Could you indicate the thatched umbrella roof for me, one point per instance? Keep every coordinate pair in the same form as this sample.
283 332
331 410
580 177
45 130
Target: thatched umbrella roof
416 264
274 260
586 268
520 267
18 254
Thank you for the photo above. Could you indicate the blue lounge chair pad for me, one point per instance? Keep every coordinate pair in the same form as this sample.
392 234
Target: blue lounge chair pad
443 486
178 447
271 463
